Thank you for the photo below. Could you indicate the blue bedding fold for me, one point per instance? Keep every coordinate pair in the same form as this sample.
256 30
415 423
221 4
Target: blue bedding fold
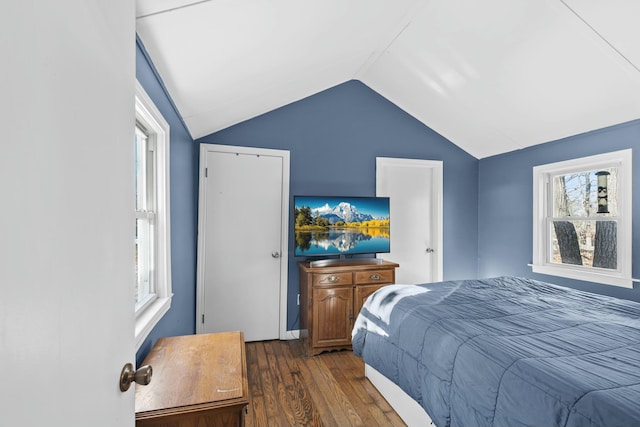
506 351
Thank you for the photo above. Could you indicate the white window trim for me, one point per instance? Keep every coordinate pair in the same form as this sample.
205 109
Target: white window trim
621 277
147 318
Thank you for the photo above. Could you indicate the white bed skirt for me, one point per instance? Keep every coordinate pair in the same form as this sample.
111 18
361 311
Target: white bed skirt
408 409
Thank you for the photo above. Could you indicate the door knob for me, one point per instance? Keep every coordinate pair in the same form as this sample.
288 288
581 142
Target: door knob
142 376
430 250
275 254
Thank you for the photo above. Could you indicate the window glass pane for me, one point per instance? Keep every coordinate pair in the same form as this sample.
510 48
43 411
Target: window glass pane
577 194
145 241
144 254
589 243
141 168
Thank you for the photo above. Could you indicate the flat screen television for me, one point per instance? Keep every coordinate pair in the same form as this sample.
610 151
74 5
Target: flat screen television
330 225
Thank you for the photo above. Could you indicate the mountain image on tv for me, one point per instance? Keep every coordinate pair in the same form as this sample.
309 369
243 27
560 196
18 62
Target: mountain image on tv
341 225
344 211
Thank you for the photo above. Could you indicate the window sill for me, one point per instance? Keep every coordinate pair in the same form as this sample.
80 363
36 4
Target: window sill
589 276
149 318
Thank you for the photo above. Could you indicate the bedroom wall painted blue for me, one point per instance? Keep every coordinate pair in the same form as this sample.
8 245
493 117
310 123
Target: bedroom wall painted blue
180 319
505 208
334 137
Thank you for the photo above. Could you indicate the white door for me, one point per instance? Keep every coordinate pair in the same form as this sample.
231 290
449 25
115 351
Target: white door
415 191
242 257
67 217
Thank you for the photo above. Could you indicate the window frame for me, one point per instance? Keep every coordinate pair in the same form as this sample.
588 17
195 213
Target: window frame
150 313
542 210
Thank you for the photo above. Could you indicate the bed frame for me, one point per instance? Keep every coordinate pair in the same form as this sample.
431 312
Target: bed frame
408 409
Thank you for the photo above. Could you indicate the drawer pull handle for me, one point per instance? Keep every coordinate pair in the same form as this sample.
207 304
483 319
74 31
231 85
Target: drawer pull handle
375 277
333 279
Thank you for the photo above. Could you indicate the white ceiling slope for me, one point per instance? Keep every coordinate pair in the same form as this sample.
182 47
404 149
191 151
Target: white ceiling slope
491 76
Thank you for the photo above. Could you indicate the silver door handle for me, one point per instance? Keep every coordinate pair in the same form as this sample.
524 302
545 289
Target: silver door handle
430 250
275 254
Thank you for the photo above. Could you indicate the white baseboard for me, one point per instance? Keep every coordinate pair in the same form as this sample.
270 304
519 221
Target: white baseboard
292 335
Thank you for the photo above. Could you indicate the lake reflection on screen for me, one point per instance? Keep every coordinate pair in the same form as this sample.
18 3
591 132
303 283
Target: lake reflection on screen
340 241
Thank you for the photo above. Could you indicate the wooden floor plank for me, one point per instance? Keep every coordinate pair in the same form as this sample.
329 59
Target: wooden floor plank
256 412
354 400
354 372
317 392
284 388
290 389
301 400
324 388
275 413
305 403
350 377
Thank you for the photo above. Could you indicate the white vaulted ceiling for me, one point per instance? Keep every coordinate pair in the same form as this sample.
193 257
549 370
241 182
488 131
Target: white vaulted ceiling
491 76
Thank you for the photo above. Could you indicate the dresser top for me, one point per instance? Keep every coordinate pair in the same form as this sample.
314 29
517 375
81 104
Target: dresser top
350 265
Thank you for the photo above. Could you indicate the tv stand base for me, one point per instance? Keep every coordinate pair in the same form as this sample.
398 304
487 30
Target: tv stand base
344 261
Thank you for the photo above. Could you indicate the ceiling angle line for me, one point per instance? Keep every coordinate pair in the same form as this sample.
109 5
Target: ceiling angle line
373 58
173 9
600 35
388 46
407 19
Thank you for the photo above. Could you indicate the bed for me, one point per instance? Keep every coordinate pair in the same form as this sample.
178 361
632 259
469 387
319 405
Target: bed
504 351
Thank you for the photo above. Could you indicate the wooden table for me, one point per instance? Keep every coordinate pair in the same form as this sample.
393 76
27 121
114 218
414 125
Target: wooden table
198 380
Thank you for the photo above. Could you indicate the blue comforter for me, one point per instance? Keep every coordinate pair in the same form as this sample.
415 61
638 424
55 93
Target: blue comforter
506 352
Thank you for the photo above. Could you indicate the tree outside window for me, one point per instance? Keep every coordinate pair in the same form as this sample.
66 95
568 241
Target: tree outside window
581 235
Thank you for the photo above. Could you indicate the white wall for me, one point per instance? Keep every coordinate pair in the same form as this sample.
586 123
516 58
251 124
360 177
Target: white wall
66 211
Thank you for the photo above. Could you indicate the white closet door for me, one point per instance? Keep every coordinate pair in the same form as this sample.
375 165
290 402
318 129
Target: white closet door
241 258
415 191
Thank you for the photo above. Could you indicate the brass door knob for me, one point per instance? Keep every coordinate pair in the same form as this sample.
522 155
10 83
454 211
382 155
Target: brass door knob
142 376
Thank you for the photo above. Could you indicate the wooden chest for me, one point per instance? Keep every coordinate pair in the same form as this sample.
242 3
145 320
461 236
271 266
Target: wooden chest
198 380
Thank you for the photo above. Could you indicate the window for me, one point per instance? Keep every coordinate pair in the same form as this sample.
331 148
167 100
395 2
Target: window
582 219
153 246
146 209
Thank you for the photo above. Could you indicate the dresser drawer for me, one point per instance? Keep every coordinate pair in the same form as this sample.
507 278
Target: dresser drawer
375 276
332 279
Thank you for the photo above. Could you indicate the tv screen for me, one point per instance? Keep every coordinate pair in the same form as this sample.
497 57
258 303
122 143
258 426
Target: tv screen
328 225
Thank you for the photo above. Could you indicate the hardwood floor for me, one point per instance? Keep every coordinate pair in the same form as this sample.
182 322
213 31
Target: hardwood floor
290 389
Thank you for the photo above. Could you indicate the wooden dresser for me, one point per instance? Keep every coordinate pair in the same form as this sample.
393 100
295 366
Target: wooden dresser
331 297
198 380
